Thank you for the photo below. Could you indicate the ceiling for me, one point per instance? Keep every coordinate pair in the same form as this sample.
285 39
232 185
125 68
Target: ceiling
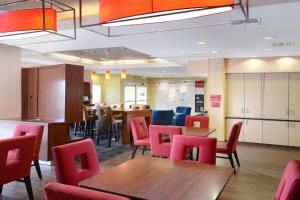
112 53
278 18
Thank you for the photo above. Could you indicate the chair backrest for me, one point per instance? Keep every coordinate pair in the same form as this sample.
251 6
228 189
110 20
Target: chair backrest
234 137
65 156
160 145
193 121
29 129
58 191
289 186
162 117
139 128
207 148
184 110
18 166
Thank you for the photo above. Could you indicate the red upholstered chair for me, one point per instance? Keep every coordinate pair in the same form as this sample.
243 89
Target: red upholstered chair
206 146
17 167
159 145
36 130
229 147
289 187
65 156
57 191
191 121
140 134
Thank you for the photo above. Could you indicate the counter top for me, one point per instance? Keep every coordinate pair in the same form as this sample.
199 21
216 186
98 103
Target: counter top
41 121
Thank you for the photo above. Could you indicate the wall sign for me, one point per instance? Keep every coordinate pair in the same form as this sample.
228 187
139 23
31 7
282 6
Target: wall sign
199 84
215 97
215 104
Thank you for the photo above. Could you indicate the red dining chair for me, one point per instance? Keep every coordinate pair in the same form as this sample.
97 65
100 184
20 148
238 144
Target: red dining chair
65 157
58 191
159 145
29 129
191 121
17 167
206 146
229 147
289 186
140 134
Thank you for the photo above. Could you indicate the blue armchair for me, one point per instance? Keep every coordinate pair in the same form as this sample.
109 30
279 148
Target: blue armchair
162 117
181 113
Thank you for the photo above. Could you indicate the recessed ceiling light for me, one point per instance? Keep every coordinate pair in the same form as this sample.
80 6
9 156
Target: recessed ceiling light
201 43
269 38
163 71
268 49
214 52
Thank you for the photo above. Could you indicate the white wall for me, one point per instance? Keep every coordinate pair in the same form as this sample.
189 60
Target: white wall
10 82
263 65
216 86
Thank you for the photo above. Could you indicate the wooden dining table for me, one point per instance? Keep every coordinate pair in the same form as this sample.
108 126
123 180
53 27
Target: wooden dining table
195 131
162 179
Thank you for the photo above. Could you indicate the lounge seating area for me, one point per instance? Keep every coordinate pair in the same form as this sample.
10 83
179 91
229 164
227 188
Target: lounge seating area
149 100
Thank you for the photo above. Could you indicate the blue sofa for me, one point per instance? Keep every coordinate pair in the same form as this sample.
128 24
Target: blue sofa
181 113
162 117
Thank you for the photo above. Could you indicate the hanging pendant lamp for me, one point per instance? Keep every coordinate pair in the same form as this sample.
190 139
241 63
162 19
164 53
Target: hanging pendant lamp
133 12
123 74
107 74
28 23
93 75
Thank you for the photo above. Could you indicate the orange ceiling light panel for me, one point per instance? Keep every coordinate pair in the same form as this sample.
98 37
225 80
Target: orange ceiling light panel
133 12
27 23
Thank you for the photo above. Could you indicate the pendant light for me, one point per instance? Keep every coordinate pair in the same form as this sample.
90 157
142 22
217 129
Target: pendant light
93 76
27 23
107 72
123 72
129 12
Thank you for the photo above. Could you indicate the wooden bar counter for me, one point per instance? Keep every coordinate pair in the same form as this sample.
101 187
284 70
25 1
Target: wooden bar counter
55 133
127 116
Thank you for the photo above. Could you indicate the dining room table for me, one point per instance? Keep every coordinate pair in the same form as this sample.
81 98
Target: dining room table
197 131
162 179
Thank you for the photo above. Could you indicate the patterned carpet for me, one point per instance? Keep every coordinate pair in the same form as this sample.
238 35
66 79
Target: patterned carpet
104 153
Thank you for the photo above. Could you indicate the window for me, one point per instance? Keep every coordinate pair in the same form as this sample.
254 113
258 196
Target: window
135 94
96 94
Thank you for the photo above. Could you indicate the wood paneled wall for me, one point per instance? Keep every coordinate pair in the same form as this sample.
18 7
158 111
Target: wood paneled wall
53 93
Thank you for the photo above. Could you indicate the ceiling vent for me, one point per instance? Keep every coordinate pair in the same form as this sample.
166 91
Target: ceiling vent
246 22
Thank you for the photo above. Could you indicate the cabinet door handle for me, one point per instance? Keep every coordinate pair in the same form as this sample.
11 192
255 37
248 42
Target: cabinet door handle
247 122
247 110
288 125
242 110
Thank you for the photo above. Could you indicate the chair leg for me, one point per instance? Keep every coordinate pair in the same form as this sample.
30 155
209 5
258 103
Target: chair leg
134 151
28 187
75 128
85 129
110 136
1 187
38 169
144 149
231 161
236 158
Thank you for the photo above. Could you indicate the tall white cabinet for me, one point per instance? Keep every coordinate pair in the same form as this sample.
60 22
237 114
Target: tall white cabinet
294 96
269 106
276 96
253 95
235 88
